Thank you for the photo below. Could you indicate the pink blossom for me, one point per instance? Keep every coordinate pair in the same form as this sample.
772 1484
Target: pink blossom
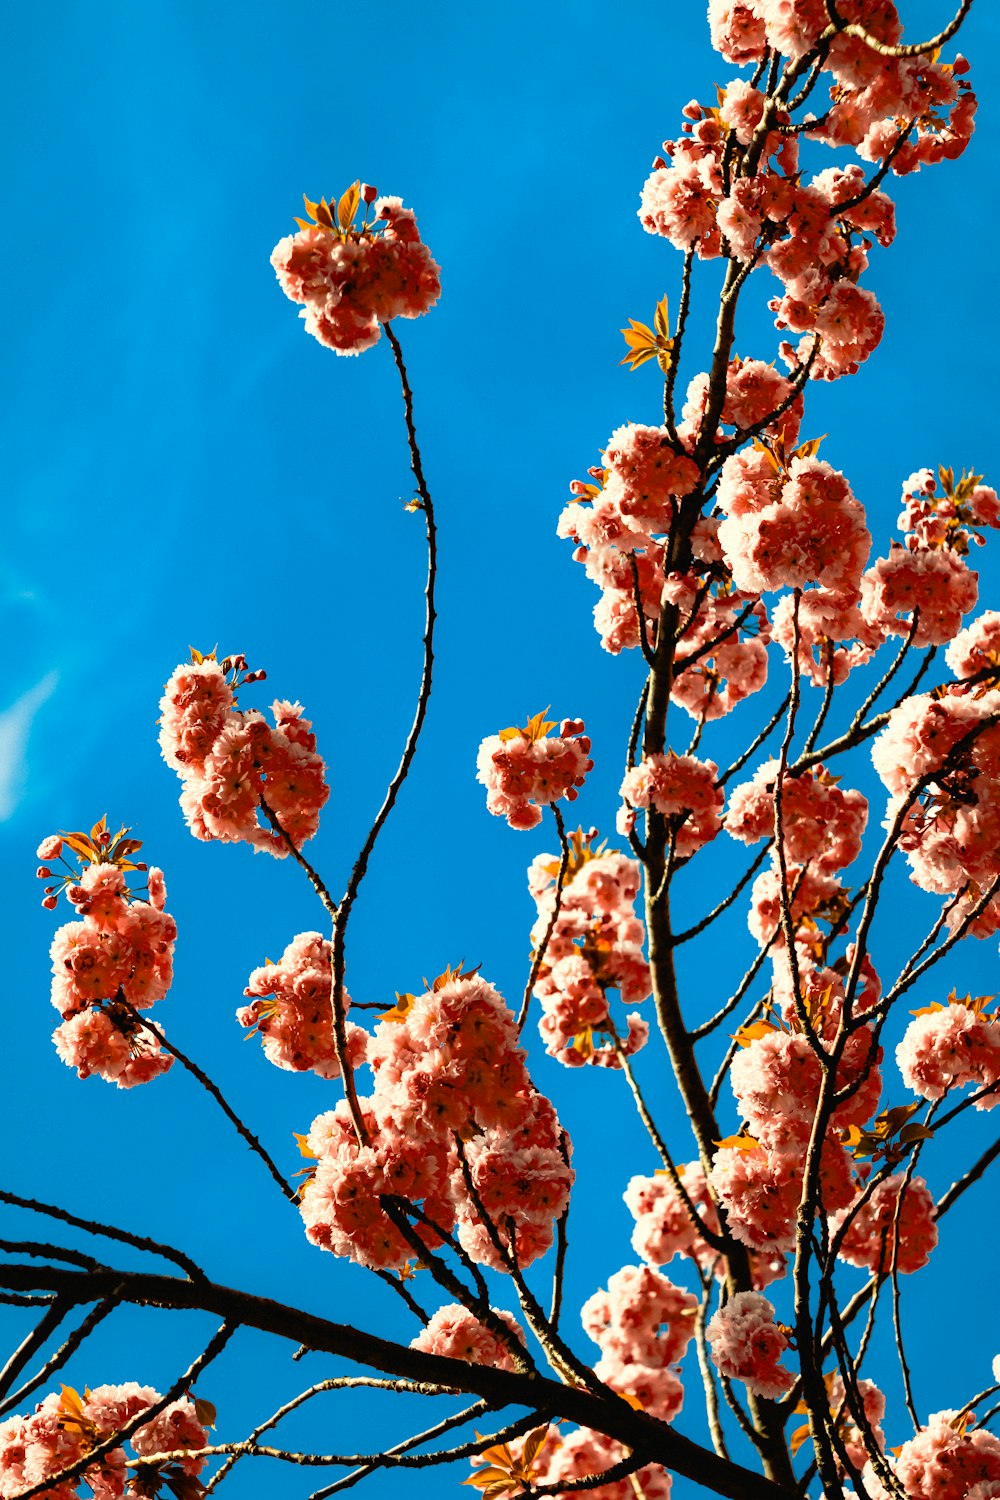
642 1318
664 1226
747 1344
822 823
737 30
950 1046
524 770
350 281
582 1453
976 649
292 1010
938 584
948 1459
877 1239
456 1334
684 790
827 622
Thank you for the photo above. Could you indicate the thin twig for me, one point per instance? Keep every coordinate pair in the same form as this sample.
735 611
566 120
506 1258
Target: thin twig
538 958
106 1231
217 1094
406 759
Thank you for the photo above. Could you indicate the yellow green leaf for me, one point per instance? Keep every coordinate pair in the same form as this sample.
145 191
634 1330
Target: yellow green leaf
348 205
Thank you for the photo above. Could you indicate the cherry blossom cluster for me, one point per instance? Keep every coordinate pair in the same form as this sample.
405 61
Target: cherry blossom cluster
747 1344
925 587
951 520
883 1233
292 1010
233 765
595 945
948 1459
731 184
116 961
619 521
946 1046
664 1226
790 522
456 1333
776 1078
350 277
939 757
821 822
64 1428
822 825
685 790
850 1434
523 770
642 1325
453 1124
833 635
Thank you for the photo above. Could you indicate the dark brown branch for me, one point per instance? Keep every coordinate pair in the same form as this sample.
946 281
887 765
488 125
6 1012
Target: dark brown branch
66 1349
312 874
406 759
754 746
608 1414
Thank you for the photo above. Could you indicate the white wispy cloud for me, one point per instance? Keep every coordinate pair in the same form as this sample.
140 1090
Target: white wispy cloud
15 727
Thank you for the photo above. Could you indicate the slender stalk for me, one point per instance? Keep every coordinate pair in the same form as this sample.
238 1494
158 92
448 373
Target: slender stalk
340 922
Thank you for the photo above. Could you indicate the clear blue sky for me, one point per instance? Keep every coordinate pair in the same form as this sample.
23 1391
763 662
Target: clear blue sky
184 466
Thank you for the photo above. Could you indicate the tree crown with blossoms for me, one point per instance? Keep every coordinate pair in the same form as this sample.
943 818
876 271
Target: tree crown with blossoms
797 1117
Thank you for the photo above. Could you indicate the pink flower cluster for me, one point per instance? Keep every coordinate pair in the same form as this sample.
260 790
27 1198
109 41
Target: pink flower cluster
821 823
292 1009
121 951
663 1226
456 1333
352 277
642 1325
595 946
833 635
822 827
617 522
453 1124
685 790
788 524
776 1077
232 763
523 770
731 185
882 1233
64 1428
945 747
975 651
926 586
747 1344
946 1046
948 1459
951 520
938 584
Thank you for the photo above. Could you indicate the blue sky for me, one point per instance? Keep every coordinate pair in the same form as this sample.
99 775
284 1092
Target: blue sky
184 466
